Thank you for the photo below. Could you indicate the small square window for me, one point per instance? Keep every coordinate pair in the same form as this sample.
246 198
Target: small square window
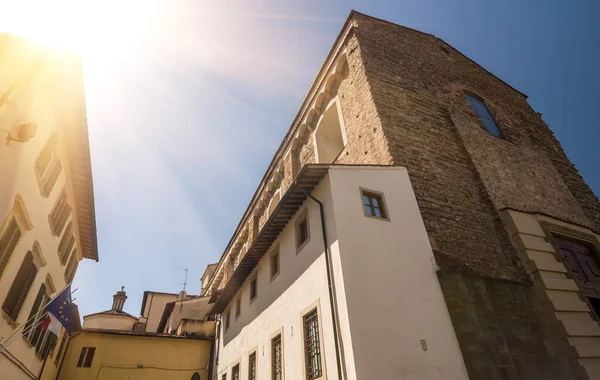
253 289
374 205
238 307
302 231
274 263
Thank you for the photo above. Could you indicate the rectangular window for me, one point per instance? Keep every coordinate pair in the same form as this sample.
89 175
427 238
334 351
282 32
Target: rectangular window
373 204
36 315
47 346
86 357
484 115
66 244
312 346
253 288
274 263
8 242
227 319
252 366
276 359
302 232
235 372
61 348
48 166
238 307
59 214
71 267
20 287
224 377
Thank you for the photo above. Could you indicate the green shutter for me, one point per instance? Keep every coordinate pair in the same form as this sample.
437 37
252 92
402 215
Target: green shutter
20 287
8 243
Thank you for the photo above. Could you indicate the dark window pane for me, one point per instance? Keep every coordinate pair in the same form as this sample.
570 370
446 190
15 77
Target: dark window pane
485 116
81 357
252 366
377 212
312 346
89 357
276 366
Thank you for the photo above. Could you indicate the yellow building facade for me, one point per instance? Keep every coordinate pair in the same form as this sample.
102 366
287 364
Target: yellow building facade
47 219
114 345
132 356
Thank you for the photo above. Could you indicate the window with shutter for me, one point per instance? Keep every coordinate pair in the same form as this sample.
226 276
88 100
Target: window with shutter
20 287
60 213
34 313
35 333
8 242
48 166
71 267
89 357
66 244
81 356
86 357
48 343
61 348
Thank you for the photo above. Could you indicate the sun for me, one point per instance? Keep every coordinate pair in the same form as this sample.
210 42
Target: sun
82 27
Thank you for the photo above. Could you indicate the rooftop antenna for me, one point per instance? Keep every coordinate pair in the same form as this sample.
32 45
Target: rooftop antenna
185 279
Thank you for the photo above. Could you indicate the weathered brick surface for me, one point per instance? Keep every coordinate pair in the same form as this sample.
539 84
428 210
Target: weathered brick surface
504 330
402 96
461 174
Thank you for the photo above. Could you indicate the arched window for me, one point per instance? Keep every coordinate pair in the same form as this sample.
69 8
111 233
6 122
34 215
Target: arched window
485 116
329 135
195 376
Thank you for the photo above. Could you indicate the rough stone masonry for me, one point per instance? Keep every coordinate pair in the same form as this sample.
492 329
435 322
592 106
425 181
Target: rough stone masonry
403 101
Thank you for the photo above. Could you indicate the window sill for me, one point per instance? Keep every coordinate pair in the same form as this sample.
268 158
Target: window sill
273 277
252 300
29 344
377 218
301 246
9 320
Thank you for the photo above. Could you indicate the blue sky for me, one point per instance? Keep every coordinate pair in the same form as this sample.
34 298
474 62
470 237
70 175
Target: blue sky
185 119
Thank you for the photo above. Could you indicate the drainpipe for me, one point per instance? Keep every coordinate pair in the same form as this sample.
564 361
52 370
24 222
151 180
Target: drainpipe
214 349
331 287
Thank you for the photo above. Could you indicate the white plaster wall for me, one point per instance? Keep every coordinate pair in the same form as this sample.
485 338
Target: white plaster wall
17 177
279 305
388 294
109 322
392 293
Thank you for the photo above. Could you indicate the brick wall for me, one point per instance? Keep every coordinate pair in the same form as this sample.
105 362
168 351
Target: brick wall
461 174
504 330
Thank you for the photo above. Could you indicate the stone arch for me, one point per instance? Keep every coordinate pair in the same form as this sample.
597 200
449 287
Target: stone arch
330 134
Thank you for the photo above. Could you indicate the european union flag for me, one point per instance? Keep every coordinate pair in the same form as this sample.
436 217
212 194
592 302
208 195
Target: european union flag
62 308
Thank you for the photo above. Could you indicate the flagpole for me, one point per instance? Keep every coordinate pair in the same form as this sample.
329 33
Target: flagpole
4 346
6 342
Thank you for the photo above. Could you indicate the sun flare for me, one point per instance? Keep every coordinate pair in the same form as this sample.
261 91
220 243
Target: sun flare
82 27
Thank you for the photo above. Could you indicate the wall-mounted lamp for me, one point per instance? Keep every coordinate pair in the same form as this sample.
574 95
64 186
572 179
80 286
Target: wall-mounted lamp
25 133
